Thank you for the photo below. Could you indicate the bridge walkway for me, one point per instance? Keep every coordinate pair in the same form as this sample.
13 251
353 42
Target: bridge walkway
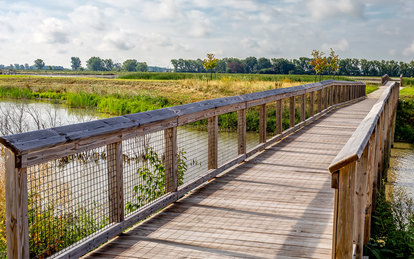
278 204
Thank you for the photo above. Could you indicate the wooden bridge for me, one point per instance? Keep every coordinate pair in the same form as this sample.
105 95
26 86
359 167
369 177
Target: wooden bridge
306 192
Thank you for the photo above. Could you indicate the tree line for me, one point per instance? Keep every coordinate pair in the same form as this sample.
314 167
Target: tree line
300 66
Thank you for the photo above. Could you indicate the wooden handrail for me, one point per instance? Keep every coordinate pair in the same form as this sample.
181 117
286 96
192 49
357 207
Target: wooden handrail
357 173
355 146
43 145
33 148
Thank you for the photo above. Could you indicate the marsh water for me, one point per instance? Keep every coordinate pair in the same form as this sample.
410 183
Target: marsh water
85 172
401 170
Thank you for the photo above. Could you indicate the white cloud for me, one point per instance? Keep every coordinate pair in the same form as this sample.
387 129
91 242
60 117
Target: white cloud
342 45
409 50
52 31
89 17
321 9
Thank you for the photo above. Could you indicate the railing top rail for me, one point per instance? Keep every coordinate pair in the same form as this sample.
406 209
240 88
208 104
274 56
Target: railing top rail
355 146
164 118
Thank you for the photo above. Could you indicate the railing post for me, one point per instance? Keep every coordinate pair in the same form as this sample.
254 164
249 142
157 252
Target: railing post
370 187
212 142
292 112
262 123
279 117
311 104
319 100
171 176
325 96
331 95
360 202
303 107
115 182
342 241
17 223
241 131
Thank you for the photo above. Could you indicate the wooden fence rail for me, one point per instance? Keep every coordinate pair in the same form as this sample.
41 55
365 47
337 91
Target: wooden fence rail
357 173
29 150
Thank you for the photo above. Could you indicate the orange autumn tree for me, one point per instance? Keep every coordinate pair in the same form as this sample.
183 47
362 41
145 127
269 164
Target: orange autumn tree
210 63
333 61
319 62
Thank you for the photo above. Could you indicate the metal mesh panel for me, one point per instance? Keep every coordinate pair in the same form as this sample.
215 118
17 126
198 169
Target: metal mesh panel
252 125
271 120
67 201
143 169
193 149
2 204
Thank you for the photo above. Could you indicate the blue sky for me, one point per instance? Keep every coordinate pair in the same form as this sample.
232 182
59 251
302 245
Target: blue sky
158 30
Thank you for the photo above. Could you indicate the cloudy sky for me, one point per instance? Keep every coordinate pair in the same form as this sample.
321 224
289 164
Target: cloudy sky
156 31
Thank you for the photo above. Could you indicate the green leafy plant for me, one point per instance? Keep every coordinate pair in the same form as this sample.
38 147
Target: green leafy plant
392 233
153 178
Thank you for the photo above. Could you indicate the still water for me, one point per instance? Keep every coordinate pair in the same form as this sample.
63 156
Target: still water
401 170
79 175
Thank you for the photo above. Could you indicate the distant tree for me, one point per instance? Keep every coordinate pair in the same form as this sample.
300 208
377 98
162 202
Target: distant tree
263 63
108 64
282 66
95 64
235 67
117 67
130 65
210 63
75 63
319 62
250 64
39 63
333 62
142 67
26 66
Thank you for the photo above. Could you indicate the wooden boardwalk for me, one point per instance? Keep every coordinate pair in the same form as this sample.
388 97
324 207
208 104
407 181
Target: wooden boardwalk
278 204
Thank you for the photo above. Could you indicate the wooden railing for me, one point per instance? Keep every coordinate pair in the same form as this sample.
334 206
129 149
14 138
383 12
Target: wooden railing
357 173
34 162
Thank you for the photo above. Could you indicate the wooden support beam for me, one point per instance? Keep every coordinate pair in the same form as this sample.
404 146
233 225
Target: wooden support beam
311 104
115 182
342 240
171 176
279 117
292 112
17 223
360 203
262 123
325 97
212 142
303 107
241 131
370 186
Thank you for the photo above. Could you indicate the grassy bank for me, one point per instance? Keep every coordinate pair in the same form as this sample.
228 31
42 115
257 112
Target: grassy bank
235 77
404 129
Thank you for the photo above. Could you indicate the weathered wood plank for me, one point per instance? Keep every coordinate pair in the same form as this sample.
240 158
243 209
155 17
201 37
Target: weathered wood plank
115 182
171 177
17 223
360 202
312 104
343 229
319 100
241 131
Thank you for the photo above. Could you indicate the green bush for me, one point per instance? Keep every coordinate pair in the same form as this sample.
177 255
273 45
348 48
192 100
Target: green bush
392 229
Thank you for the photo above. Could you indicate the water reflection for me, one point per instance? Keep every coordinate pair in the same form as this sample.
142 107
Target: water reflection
401 170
